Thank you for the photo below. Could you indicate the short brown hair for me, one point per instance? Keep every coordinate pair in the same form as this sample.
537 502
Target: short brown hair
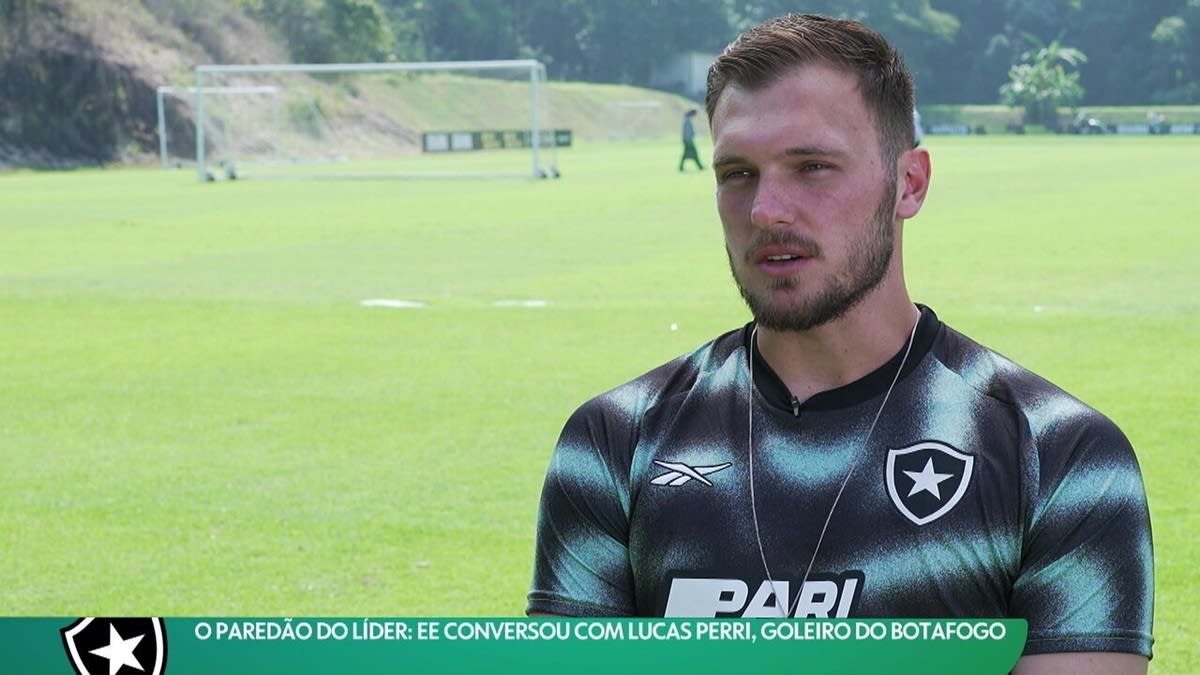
766 52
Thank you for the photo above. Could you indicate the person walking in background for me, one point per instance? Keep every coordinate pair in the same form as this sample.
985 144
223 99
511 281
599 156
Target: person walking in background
689 141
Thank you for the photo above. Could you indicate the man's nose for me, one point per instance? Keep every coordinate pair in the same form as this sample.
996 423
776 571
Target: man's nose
770 207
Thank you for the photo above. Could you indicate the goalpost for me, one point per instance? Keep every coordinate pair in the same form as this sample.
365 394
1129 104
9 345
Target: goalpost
371 120
162 94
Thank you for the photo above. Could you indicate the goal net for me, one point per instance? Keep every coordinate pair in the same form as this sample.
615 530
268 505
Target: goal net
176 141
638 120
433 119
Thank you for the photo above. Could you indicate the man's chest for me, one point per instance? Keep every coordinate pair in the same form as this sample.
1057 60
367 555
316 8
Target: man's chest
922 520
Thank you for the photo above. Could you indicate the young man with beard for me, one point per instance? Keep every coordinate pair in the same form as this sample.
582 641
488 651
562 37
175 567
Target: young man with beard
845 454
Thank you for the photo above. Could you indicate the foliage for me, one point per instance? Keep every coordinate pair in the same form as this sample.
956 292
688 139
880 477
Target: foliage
328 31
359 30
618 41
629 37
1045 79
960 51
12 11
919 31
1177 56
16 17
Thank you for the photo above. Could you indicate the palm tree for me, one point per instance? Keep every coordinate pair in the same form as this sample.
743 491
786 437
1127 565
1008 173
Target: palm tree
1046 78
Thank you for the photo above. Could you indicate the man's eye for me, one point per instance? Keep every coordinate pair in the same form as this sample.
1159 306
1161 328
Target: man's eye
815 166
733 174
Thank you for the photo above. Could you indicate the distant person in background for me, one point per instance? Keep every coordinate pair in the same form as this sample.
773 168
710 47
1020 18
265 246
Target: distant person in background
689 141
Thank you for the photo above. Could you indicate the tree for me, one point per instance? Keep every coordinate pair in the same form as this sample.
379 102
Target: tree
1045 79
919 31
327 31
1176 57
358 29
1115 34
468 30
555 33
627 38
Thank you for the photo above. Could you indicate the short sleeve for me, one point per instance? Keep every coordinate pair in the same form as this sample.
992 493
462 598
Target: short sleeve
581 562
1086 581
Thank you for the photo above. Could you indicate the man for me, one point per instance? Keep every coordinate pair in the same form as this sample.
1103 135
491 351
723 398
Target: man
689 141
846 454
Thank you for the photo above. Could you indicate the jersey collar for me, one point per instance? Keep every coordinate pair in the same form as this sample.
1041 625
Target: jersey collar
865 388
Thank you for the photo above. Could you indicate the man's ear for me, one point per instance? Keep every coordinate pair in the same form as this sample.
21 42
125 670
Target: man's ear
913 173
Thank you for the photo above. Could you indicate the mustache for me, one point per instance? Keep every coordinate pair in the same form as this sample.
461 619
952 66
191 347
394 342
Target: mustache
782 239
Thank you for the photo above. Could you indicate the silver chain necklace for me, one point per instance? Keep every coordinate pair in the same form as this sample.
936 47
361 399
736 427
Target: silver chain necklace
781 603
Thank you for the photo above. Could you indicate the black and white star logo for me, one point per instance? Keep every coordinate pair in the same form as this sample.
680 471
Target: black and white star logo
119 651
926 480
116 646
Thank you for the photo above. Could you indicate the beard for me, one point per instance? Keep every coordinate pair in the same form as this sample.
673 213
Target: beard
867 265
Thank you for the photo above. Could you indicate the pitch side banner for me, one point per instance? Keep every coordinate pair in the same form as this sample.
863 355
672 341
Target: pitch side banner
350 646
462 141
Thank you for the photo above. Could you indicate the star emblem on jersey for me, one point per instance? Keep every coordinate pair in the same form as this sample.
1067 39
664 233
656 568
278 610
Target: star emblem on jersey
679 473
116 646
926 480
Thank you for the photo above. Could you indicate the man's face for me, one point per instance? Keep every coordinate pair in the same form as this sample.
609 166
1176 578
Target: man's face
808 207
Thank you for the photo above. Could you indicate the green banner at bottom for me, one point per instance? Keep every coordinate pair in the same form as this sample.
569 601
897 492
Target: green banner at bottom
232 646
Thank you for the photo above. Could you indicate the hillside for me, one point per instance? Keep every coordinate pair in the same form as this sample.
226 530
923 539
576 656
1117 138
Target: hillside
77 77
78 81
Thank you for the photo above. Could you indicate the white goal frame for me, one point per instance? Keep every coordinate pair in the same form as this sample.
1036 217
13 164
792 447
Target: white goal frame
160 101
537 77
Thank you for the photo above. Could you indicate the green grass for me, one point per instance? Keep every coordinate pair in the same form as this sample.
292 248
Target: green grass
199 417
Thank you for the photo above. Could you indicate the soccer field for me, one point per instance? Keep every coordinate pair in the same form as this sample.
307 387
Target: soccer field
202 417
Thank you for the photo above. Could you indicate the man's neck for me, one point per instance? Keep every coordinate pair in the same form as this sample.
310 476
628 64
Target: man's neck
839 352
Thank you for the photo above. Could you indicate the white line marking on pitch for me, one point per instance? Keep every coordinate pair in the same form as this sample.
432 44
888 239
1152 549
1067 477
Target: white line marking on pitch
520 303
397 304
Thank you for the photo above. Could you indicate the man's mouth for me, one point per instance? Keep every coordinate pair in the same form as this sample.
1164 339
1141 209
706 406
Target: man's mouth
781 264
779 254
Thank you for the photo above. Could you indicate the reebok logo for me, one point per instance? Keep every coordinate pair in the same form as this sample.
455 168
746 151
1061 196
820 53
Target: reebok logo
679 473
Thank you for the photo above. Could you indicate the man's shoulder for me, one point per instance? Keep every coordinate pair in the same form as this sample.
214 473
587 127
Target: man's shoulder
1043 405
678 377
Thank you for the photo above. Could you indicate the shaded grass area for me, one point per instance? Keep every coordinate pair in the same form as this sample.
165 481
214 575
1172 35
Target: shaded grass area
201 419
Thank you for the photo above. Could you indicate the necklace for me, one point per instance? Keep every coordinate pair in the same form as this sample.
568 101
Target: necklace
781 603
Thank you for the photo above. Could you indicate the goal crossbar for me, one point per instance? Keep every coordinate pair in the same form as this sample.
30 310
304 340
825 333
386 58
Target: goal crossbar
368 67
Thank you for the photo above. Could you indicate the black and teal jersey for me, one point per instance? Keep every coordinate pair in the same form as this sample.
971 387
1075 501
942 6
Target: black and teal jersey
984 491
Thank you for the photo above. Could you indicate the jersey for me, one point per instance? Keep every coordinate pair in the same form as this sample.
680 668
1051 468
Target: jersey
984 491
